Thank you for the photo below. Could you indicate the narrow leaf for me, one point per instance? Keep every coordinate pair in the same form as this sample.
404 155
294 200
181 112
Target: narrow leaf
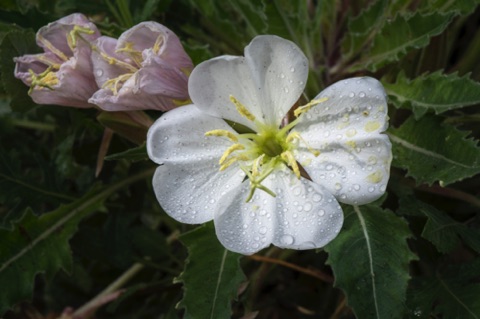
133 155
39 245
432 151
211 277
374 242
437 92
464 7
402 35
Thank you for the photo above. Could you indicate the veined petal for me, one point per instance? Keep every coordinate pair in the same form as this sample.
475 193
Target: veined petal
303 215
354 160
279 71
267 81
189 183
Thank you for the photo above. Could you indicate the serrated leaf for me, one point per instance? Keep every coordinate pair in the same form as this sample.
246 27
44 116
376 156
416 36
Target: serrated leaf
436 91
374 241
133 155
434 152
211 277
464 7
39 245
403 34
449 293
440 229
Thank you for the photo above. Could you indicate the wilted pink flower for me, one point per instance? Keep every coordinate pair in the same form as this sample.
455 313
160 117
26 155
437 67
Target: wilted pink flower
63 73
146 68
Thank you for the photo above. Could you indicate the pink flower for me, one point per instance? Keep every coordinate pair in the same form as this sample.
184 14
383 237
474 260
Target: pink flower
63 73
146 68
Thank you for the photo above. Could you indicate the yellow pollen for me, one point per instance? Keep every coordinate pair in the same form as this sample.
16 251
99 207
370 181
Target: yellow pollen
302 109
290 160
230 150
158 44
242 109
46 79
232 137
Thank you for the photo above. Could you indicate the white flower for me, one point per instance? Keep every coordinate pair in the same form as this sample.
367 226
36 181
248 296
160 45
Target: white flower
262 182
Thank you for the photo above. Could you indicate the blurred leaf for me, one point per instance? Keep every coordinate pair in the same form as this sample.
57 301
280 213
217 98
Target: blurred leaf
133 155
211 277
375 241
432 151
16 43
362 27
40 245
402 35
448 293
435 91
442 6
440 229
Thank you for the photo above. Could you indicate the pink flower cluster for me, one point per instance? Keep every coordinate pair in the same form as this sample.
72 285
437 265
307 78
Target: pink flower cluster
145 68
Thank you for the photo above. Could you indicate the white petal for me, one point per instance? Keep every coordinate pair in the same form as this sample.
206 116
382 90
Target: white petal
354 160
301 216
179 136
268 81
189 192
189 183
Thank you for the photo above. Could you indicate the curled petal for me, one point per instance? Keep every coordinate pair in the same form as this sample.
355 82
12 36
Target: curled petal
303 215
189 183
267 81
354 160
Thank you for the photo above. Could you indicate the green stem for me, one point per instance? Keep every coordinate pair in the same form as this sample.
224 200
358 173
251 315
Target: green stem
34 125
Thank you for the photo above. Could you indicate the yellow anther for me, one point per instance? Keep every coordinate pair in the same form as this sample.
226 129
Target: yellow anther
158 44
46 79
231 136
114 84
296 135
304 108
290 160
72 36
233 159
230 150
242 109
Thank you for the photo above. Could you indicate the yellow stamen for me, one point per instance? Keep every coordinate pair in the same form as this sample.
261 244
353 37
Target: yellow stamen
50 47
290 160
231 136
302 109
233 159
46 79
256 165
242 109
230 150
158 44
114 84
134 54
72 36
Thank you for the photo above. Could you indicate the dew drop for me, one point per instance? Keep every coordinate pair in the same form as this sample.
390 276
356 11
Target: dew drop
287 239
282 75
263 230
321 212
285 90
356 187
316 197
307 207
351 94
297 191
99 72
292 69
371 189
307 245
361 94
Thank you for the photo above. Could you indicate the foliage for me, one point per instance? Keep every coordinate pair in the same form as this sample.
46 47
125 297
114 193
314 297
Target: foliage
81 229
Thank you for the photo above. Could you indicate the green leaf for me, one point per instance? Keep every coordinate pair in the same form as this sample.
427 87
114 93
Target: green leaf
432 151
374 242
133 155
440 229
449 293
211 277
403 34
16 43
39 245
437 92
464 7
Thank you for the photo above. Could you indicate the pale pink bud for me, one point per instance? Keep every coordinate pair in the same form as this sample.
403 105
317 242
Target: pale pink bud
63 73
146 68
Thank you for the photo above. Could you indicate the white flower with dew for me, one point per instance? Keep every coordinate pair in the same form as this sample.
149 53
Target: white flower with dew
230 157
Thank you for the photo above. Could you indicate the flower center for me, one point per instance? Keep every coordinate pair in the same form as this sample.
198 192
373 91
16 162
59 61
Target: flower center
259 154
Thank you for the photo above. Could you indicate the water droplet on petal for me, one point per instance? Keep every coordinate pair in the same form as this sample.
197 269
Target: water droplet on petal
287 239
282 75
307 245
361 94
321 212
351 94
316 197
285 90
292 69
263 230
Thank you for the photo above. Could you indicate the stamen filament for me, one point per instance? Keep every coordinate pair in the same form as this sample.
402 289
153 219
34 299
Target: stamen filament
302 109
231 136
290 160
50 47
242 109
230 150
294 135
